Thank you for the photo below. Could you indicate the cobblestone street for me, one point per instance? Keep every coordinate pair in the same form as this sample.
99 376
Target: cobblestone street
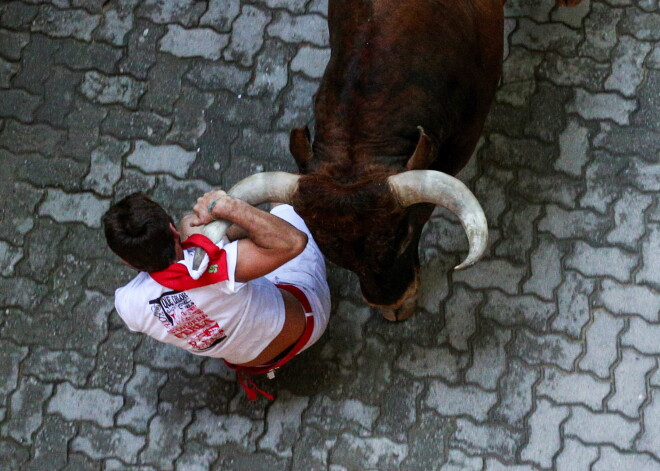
543 356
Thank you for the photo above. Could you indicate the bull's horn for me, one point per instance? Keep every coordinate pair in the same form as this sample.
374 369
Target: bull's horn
429 186
266 187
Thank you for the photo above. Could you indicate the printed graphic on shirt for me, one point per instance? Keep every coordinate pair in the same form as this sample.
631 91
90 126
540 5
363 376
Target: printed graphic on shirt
183 319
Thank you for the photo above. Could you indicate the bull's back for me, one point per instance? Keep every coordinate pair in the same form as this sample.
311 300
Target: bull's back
399 64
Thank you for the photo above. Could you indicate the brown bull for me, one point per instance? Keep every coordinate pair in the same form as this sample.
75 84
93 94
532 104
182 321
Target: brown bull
407 88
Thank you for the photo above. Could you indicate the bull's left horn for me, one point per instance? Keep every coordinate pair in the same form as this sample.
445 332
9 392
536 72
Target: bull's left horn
266 187
429 186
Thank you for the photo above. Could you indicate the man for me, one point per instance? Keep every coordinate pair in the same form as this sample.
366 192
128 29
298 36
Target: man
255 301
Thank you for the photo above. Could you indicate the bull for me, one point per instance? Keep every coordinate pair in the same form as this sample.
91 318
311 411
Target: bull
400 108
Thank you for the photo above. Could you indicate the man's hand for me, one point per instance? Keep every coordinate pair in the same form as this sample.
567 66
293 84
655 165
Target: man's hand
201 208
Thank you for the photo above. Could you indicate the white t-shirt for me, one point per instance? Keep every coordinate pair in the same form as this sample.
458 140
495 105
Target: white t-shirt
228 319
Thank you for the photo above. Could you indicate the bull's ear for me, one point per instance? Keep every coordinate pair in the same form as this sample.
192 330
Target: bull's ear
300 147
424 154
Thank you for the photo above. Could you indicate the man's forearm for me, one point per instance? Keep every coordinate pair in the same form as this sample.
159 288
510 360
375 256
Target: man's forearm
264 229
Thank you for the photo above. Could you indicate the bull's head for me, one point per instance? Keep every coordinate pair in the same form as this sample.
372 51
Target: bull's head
372 225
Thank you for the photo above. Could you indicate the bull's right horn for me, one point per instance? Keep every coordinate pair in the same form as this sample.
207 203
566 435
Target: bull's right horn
265 187
430 186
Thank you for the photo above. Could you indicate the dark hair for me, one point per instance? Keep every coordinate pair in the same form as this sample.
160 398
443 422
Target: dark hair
138 230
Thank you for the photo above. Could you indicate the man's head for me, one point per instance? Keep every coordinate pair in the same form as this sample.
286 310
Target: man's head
141 233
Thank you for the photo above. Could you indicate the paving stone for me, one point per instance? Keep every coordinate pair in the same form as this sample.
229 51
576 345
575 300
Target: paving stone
630 383
138 125
297 106
7 72
98 443
117 89
35 69
602 106
610 458
142 47
18 15
460 400
235 459
513 153
574 455
600 31
18 104
217 430
118 20
643 175
627 140
169 159
212 76
546 269
271 70
83 207
300 29
573 388
220 14
60 23
166 357
602 261
316 6
627 72
368 453
21 292
517 310
535 9
599 428
116 465
132 181
485 438
460 321
544 37
14 455
653 59
190 123
283 422
9 257
642 336
247 35
543 189
240 110
59 98
424 438
374 370
602 173
141 398
516 399
494 465
601 340
196 457
58 365
489 357
13 355
197 42
83 124
185 12
296 6
165 438
640 24
311 61
625 299
544 441
23 138
492 274
517 232
649 440
573 16
179 196
434 283
573 148
546 120
185 392
422 362
400 401
546 349
459 461
106 166
114 364
164 86
12 43
51 444
330 415
629 219
312 450
80 462
85 404
81 56
491 193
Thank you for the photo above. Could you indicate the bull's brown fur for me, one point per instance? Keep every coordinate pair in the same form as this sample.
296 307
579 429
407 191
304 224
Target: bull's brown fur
396 66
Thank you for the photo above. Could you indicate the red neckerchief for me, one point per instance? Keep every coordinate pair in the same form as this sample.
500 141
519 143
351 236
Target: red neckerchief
177 277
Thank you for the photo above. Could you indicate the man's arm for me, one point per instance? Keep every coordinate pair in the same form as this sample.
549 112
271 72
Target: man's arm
271 241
